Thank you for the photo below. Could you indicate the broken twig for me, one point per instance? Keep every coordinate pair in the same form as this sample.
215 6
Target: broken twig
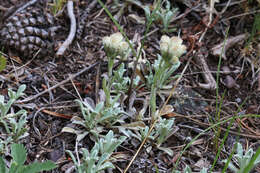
217 50
209 79
72 33
2 8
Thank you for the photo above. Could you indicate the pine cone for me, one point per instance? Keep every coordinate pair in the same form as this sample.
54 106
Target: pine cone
29 31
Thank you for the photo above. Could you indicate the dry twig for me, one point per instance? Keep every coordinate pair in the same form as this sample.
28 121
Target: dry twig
209 79
72 33
24 6
57 85
2 8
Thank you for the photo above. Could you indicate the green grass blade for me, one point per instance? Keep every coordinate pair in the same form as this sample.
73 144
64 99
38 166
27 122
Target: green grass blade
2 63
222 143
218 70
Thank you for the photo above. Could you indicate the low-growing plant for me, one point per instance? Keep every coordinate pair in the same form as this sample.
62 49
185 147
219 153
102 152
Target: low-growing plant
243 159
101 114
163 129
17 165
97 159
95 118
108 110
164 15
144 132
13 124
171 49
114 46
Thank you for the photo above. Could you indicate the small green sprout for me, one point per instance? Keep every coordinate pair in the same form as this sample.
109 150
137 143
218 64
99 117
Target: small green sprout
163 15
2 62
121 82
163 129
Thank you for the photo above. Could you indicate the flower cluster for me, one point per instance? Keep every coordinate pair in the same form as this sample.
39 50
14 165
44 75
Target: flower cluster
171 48
115 45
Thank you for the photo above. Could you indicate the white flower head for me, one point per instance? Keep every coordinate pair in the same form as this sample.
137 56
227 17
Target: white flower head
116 38
177 47
172 48
115 44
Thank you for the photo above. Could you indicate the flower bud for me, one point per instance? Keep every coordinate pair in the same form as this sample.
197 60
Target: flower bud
106 41
174 60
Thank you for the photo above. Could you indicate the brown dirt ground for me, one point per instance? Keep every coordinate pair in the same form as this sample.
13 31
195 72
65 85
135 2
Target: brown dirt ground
46 140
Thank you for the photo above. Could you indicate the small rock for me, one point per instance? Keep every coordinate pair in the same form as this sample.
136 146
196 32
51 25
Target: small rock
229 82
